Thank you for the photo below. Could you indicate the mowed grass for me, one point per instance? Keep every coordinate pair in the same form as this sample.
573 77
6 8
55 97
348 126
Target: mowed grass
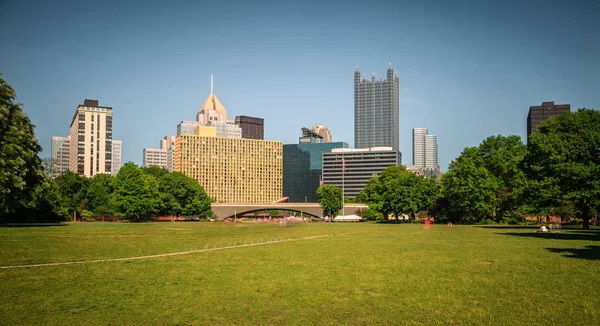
356 274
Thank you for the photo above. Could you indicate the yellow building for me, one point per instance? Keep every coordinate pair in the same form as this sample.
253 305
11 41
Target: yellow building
232 170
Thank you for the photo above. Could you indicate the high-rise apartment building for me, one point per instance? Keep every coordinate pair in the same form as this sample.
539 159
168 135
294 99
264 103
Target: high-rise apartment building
425 151
537 114
252 128
302 166
61 147
116 156
91 139
232 170
352 168
376 107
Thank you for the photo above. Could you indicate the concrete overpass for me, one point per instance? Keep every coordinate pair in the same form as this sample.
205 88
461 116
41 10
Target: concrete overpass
225 210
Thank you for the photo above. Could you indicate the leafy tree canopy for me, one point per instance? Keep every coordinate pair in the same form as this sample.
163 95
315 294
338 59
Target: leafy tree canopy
563 164
330 199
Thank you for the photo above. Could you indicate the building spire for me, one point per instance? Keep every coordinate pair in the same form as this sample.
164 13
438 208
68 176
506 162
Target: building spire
211 84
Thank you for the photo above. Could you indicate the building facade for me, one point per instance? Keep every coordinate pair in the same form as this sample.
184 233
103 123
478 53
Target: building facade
116 156
425 150
168 143
302 167
352 168
232 170
91 139
155 157
252 128
60 158
537 114
376 111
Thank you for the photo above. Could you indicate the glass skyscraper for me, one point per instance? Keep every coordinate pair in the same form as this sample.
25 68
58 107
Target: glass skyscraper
376 119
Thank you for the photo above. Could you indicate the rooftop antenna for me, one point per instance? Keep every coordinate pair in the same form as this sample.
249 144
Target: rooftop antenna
211 84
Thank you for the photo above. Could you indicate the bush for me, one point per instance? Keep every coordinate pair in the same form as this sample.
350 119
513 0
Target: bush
88 219
487 221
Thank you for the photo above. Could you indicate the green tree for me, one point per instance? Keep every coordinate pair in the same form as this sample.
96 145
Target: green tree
485 182
73 192
273 213
45 204
409 193
181 194
563 164
155 171
99 194
469 189
136 195
20 166
330 199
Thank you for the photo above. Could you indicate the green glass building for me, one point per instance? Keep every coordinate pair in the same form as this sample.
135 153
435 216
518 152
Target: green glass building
302 168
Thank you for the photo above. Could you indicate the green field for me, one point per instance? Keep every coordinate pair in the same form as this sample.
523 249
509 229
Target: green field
352 274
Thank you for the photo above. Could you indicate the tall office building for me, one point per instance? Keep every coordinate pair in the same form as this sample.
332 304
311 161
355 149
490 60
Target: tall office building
425 151
60 158
168 143
253 128
187 127
116 156
163 157
537 114
302 166
231 170
376 120
155 157
431 151
91 139
352 168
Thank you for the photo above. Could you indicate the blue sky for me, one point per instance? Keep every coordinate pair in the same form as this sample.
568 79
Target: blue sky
467 69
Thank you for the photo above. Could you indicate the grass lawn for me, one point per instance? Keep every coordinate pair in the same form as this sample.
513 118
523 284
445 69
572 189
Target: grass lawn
356 274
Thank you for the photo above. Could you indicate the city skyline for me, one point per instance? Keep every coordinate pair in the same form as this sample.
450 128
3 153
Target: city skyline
466 70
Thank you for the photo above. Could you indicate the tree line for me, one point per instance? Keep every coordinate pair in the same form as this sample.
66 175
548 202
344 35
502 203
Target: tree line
500 181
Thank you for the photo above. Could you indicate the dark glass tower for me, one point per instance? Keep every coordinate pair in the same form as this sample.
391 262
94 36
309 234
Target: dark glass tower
376 120
537 114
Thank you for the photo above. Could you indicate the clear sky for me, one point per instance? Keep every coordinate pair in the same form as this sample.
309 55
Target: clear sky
467 69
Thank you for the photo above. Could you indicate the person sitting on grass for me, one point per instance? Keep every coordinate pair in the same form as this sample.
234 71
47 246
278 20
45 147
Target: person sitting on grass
449 225
542 229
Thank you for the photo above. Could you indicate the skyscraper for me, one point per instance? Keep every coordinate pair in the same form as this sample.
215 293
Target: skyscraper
253 128
91 139
425 151
61 147
537 114
376 121
116 156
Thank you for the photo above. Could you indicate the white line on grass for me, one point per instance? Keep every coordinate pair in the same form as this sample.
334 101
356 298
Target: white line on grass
165 255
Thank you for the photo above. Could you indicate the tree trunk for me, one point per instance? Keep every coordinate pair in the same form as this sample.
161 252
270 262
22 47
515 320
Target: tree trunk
586 223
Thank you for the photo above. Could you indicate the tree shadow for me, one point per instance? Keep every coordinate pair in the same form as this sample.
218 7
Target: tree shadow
587 235
508 227
589 252
30 225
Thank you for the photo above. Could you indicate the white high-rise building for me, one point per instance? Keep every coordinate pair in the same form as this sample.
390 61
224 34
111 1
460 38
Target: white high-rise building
424 149
91 139
418 148
155 157
61 147
431 152
116 157
168 143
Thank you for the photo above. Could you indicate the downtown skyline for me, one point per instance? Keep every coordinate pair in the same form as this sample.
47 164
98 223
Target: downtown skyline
466 70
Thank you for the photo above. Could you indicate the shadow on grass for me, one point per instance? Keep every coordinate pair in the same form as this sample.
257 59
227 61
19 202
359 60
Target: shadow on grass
586 235
30 225
508 227
589 252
